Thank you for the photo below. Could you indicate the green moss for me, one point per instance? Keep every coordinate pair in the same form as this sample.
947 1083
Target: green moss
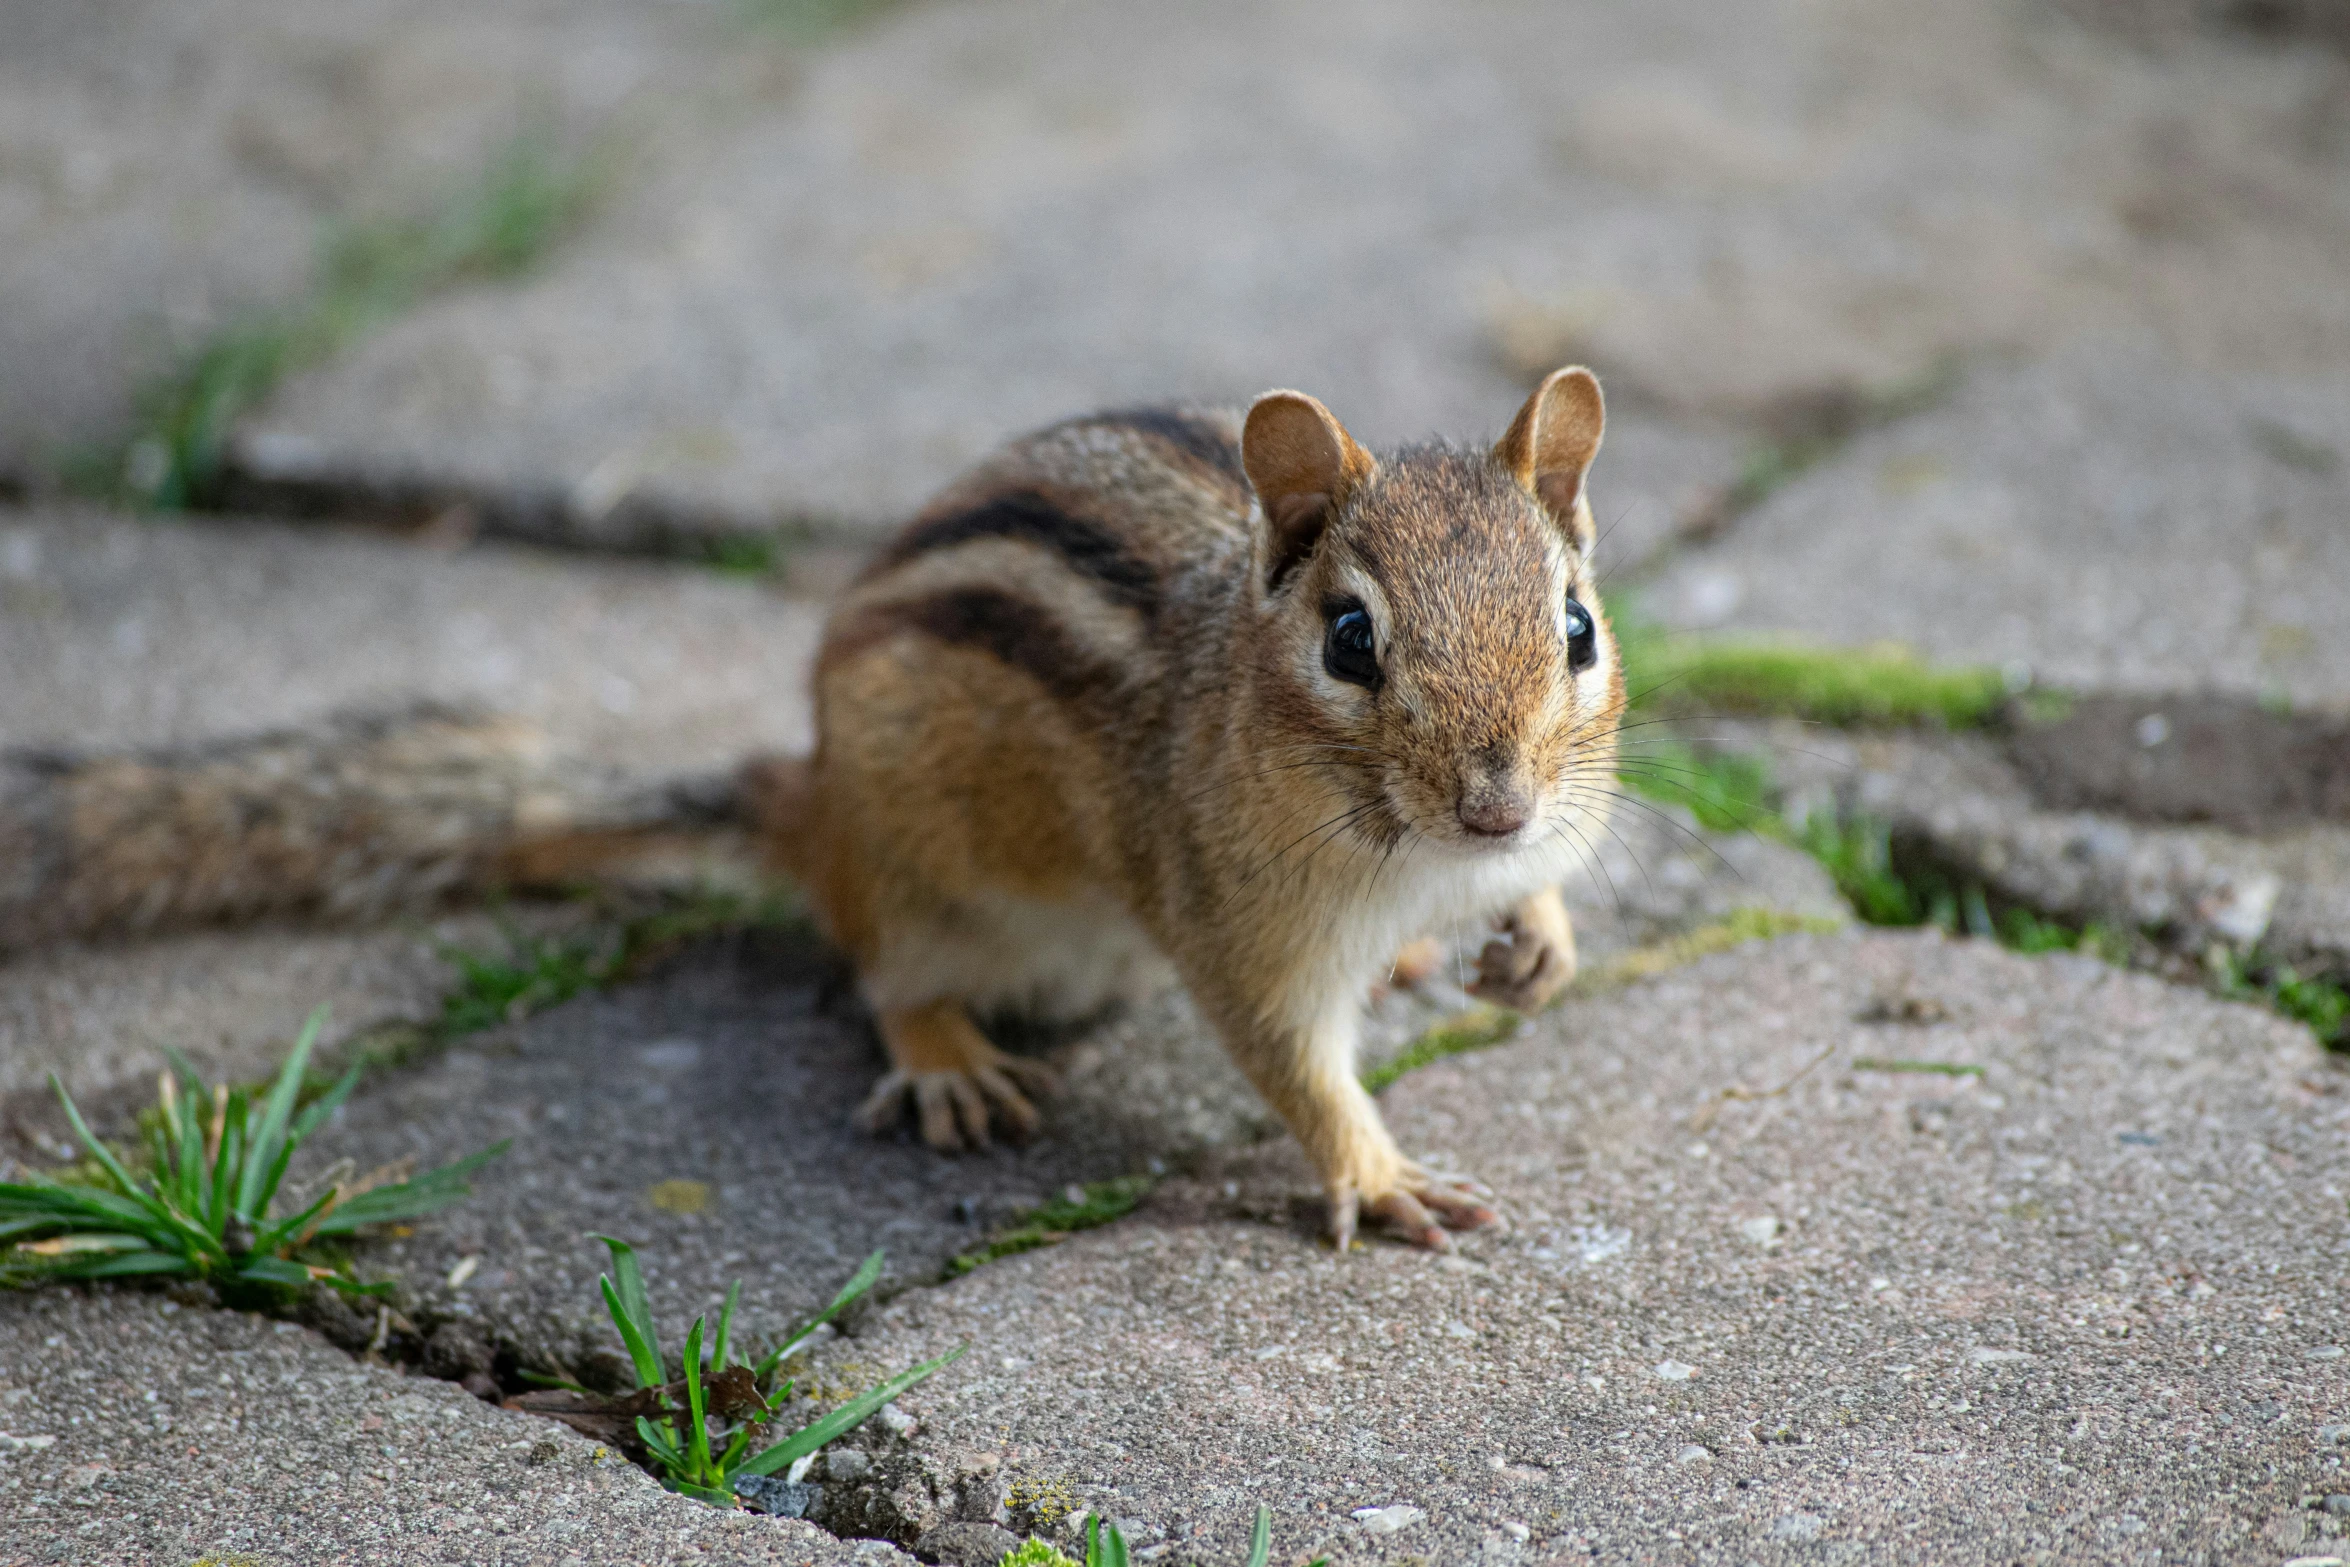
807 21
1934 1068
531 975
1035 1553
534 973
1476 1029
1736 929
1881 686
1050 1223
747 554
367 273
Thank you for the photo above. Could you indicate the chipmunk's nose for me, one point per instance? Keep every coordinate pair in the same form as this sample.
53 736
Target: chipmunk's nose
1495 800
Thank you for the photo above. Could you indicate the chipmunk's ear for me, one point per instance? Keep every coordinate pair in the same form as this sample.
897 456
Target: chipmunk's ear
1303 465
1551 443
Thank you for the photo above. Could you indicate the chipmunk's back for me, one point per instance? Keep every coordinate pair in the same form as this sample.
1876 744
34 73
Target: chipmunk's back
1070 556
1011 661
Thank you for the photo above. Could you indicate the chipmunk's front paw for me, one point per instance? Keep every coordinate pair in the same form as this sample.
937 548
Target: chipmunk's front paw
1418 1209
1531 961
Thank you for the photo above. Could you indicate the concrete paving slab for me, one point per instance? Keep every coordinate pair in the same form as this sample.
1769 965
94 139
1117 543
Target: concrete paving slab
232 1002
121 632
969 220
2080 1303
167 166
2106 521
139 1434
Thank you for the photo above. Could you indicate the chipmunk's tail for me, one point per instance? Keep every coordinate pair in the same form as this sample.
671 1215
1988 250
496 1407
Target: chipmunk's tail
777 797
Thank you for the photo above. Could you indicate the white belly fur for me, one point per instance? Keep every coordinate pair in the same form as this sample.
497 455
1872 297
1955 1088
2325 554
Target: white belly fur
1056 962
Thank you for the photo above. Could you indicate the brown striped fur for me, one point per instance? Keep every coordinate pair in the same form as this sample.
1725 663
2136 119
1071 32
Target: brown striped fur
1076 735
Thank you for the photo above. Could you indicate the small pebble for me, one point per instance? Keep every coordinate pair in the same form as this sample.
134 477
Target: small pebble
776 1497
846 1463
1674 1371
2339 1505
1694 1454
1387 1520
897 1422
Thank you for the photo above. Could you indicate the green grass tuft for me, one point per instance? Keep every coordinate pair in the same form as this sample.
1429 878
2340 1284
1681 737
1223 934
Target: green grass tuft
202 1209
1053 1222
367 274
706 1429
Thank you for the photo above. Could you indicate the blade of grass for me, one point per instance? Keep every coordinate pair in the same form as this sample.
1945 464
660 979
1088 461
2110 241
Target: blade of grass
659 1441
274 1238
274 1270
224 1171
630 1280
53 1204
640 1352
129 1264
848 1417
411 1198
268 1149
863 1280
1260 1538
697 1430
98 1150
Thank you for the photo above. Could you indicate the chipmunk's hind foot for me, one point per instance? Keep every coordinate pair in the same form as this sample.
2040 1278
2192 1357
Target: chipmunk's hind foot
959 1084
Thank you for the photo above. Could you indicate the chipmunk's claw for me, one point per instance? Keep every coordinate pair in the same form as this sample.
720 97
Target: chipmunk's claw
1344 1208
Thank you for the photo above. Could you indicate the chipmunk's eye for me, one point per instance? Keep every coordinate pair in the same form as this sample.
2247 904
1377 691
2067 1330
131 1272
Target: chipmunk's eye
1582 639
1349 651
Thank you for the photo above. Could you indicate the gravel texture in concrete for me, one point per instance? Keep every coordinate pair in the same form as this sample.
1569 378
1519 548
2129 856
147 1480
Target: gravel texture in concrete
125 633
136 1433
2072 1292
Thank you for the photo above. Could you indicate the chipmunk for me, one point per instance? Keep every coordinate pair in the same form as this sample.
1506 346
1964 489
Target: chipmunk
1172 694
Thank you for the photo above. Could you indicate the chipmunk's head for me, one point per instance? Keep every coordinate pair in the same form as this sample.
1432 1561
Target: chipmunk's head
1429 627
